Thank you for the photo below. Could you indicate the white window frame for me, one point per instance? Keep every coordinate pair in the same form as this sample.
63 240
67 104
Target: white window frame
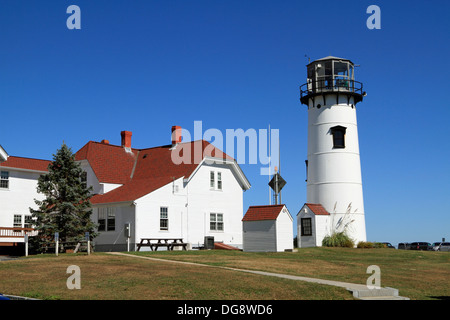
28 221
163 218
216 222
215 180
111 219
212 179
219 180
4 179
17 221
101 217
108 216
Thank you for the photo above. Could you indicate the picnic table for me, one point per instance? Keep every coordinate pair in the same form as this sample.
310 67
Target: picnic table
155 243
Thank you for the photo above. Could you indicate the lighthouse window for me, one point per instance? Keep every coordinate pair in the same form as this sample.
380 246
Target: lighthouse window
341 69
338 133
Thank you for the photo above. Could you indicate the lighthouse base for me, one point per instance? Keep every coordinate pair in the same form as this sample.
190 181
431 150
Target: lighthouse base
314 223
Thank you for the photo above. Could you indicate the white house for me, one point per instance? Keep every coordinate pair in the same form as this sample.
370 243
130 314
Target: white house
154 194
268 228
185 190
18 182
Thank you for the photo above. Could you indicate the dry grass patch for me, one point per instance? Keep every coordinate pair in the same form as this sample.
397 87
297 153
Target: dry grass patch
417 274
109 277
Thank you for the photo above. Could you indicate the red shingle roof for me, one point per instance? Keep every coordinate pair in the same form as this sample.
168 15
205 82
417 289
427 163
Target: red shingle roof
268 212
111 164
317 209
141 171
26 163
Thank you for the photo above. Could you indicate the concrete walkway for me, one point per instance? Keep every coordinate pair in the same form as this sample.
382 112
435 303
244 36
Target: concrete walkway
359 291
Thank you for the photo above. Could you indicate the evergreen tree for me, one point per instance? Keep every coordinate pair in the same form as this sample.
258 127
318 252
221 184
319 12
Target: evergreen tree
66 208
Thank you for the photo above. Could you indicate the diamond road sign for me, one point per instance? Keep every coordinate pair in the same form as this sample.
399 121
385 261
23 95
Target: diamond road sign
277 183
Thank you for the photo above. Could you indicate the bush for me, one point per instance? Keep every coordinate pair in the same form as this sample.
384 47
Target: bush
338 239
364 245
368 245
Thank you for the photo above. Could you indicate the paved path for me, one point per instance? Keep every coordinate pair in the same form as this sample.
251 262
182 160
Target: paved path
360 291
5 258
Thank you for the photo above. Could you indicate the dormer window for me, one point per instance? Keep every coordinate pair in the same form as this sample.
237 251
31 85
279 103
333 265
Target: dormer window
219 180
83 177
212 180
215 180
338 133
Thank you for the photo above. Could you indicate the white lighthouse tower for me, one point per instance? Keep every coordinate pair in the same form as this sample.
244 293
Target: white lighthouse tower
334 201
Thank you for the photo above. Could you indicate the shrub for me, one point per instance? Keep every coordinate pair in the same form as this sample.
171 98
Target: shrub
338 239
379 245
368 245
364 245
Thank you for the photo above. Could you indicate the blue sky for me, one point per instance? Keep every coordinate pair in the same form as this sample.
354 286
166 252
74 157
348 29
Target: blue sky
146 65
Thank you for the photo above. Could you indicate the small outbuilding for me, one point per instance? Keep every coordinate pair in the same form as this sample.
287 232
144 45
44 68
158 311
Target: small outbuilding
313 224
268 228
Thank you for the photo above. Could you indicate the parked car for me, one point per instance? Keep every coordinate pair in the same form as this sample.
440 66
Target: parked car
435 246
421 246
388 245
443 246
404 246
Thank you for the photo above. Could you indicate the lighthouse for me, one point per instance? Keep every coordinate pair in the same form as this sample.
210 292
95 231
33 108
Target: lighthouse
334 192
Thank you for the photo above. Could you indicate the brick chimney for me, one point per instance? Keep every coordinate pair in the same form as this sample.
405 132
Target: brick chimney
176 135
126 138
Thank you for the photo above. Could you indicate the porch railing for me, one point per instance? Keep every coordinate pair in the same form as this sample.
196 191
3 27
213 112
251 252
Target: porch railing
12 232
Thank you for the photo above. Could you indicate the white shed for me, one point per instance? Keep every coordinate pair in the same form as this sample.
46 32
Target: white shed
313 224
268 229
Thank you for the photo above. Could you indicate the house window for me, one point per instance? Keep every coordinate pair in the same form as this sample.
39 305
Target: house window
211 179
101 219
163 218
4 179
106 219
28 222
216 221
83 177
306 226
219 180
111 222
17 221
338 133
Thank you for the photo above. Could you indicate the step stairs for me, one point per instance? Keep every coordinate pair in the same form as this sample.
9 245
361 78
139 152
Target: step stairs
386 293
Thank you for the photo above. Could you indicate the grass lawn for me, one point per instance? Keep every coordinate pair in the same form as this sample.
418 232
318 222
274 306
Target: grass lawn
417 275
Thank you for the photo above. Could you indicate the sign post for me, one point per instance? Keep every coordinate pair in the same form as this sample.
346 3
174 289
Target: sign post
26 244
86 235
57 243
127 235
277 183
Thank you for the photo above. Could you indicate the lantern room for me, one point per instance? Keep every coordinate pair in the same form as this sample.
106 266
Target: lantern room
331 75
